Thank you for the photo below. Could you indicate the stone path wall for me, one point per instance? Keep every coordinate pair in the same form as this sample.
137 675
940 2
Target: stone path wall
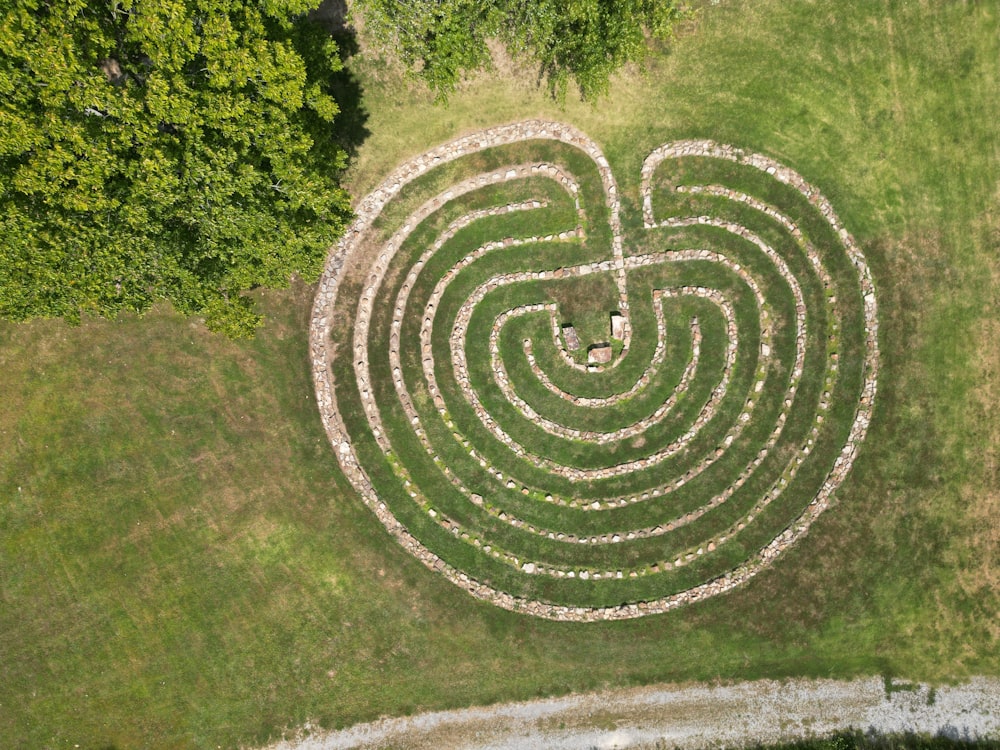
617 267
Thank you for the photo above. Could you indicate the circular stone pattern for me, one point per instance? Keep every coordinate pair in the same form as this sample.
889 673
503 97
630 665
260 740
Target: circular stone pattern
582 416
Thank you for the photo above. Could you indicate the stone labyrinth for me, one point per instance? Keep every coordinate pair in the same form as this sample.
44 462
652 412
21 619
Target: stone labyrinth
587 413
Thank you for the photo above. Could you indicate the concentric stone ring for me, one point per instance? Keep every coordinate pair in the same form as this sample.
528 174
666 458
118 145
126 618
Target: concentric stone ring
580 418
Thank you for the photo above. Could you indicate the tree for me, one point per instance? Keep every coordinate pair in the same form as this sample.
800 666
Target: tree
174 150
580 40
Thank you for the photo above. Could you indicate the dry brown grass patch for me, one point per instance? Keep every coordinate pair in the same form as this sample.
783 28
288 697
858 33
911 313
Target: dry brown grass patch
983 496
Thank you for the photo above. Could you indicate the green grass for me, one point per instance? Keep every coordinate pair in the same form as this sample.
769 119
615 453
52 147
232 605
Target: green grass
182 565
484 527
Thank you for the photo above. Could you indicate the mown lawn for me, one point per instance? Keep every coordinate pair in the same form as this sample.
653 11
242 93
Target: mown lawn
182 565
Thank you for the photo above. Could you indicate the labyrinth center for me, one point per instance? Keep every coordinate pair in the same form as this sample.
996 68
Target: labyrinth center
581 415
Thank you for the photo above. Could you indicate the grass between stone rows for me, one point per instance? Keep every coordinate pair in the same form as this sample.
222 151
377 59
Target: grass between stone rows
575 453
424 471
678 343
182 565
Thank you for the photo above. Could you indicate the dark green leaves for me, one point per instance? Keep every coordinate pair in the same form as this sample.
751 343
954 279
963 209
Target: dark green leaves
176 150
580 40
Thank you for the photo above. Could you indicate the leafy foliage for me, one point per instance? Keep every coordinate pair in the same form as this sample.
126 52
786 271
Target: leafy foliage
177 149
947 738
580 40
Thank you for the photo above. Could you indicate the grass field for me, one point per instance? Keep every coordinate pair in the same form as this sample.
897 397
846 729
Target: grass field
183 565
411 482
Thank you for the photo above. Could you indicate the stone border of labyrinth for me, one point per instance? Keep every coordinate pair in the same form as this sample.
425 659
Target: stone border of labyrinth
372 206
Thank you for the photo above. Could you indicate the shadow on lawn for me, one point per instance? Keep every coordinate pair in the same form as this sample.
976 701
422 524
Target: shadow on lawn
350 127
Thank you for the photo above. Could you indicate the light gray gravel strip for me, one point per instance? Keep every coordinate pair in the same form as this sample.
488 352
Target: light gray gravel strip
693 717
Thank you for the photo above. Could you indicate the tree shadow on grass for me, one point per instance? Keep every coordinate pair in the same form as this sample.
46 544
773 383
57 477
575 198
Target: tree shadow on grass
350 127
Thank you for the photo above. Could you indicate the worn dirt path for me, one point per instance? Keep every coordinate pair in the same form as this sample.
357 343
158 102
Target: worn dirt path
684 717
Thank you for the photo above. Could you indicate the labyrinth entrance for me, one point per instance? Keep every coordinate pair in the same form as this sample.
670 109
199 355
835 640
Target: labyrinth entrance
582 418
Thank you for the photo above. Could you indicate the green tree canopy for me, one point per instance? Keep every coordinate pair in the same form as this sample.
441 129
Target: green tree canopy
580 40
163 149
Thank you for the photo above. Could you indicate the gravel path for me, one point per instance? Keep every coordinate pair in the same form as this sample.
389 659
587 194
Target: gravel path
684 717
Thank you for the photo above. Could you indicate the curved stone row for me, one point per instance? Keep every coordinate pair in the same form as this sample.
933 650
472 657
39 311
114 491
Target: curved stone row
619 266
739 196
458 338
460 366
402 298
452 229
558 430
711 149
598 576
602 402
537 567
370 294
585 574
813 256
614 538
